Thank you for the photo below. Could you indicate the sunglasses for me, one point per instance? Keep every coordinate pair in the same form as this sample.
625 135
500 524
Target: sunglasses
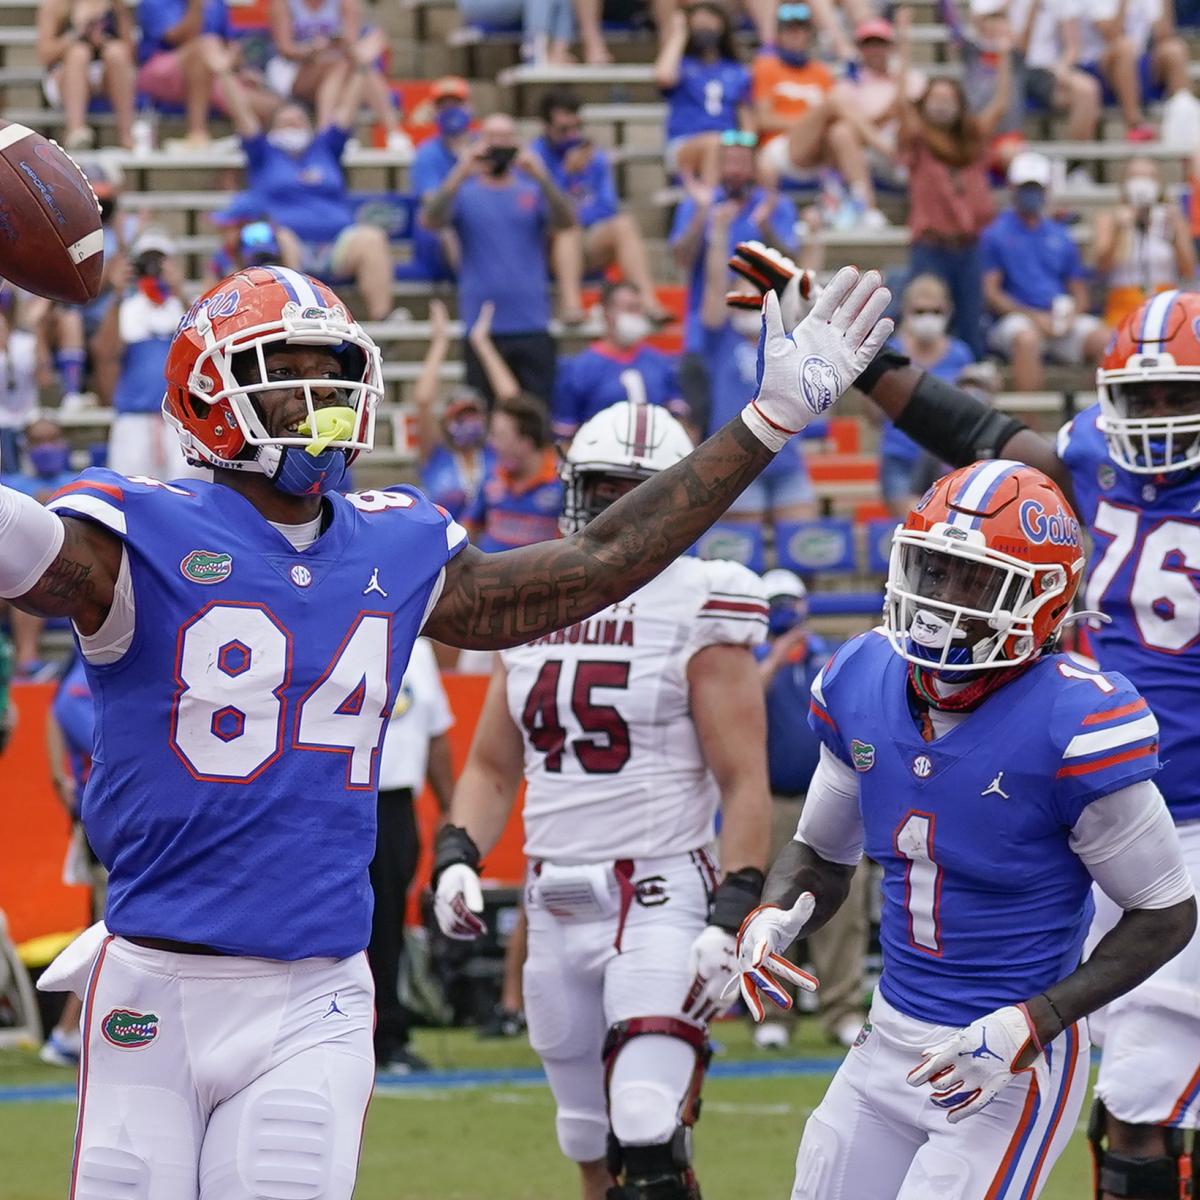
739 137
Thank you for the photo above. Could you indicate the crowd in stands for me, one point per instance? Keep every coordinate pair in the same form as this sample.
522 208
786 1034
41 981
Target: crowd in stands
793 124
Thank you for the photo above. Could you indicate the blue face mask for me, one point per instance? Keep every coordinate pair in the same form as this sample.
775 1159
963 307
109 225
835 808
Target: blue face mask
453 120
792 58
52 458
304 474
1030 199
784 616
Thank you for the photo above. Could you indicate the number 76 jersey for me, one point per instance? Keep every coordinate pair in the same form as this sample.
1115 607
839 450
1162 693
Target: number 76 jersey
233 787
1143 573
613 762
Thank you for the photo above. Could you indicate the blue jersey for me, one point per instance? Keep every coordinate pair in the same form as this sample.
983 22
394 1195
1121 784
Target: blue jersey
233 787
446 483
984 902
707 97
592 191
1143 574
75 713
509 514
602 375
305 193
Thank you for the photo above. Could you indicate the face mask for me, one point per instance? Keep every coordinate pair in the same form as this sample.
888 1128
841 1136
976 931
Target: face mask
1030 199
736 189
1141 192
942 116
792 58
784 616
926 326
453 121
499 157
563 148
629 328
290 139
746 323
51 458
465 433
703 41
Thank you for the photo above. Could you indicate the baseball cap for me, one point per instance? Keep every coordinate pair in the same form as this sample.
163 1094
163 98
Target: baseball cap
450 87
150 240
877 28
780 582
1029 167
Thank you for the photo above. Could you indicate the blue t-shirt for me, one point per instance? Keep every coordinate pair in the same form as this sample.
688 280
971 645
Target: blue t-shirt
443 480
707 97
157 17
984 901
305 193
1035 264
741 229
234 786
1144 575
603 375
893 443
793 749
432 162
502 232
592 191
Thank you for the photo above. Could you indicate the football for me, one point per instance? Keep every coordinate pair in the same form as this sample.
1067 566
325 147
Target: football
51 242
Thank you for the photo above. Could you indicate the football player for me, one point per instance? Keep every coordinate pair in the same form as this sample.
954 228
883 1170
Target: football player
245 640
1129 464
994 780
632 728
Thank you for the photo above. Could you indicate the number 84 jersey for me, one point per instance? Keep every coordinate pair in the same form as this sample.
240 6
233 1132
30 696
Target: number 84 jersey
233 789
613 763
1142 574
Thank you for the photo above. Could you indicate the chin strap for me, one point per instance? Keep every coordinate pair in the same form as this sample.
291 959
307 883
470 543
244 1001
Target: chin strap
924 683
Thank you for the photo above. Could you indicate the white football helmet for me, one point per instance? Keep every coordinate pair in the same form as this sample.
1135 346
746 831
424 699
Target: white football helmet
625 441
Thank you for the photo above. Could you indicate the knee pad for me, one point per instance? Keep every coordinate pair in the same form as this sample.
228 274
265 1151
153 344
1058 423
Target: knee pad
1158 1177
287 1145
642 1113
106 1173
820 1149
659 1172
938 1172
582 1136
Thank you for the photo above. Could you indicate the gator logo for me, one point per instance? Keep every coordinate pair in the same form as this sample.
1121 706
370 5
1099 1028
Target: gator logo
863 1034
863 754
129 1030
206 566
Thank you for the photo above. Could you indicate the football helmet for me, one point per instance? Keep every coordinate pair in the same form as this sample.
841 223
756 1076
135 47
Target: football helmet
215 414
624 441
1149 387
983 570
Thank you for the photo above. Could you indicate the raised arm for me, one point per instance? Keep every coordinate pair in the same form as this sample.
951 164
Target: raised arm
501 380
562 212
491 601
713 313
670 56
364 52
993 114
425 390
438 204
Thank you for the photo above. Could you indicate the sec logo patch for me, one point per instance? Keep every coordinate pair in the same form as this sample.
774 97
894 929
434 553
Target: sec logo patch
922 766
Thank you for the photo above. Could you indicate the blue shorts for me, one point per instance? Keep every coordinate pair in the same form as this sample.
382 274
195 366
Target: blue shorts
1149 89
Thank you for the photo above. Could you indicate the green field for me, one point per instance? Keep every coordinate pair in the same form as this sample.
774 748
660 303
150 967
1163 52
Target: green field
497 1143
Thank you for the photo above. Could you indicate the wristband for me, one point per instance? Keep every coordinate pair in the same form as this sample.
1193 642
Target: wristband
735 898
453 844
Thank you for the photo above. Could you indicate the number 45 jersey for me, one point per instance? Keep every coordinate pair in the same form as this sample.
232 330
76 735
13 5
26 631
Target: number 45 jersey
233 790
1142 574
613 763
984 901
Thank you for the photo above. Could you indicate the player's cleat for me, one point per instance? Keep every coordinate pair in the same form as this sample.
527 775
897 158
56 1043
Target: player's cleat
403 1062
60 1050
846 1031
772 1035
503 1023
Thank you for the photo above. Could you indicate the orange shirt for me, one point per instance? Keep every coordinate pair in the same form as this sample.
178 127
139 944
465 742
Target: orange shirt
790 90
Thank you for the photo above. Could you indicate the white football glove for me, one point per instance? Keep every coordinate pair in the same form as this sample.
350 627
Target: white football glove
970 1067
765 934
458 902
802 374
713 964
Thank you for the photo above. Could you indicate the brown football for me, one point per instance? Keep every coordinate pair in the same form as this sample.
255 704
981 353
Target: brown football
50 237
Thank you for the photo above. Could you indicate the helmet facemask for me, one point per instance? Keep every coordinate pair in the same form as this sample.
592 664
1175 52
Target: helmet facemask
585 494
1151 425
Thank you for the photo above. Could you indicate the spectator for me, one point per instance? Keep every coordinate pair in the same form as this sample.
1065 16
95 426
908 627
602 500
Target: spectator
86 49
1034 282
547 26
502 205
922 336
294 176
707 89
254 244
140 327
762 215
1133 47
619 366
944 145
1141 246
178 37
436 254
610 237
451 447
18 379
729 344
520 501
313 62
416 749
806 127
788 664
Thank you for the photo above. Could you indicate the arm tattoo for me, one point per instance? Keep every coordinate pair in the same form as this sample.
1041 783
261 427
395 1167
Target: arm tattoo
66 579
495 600
79 582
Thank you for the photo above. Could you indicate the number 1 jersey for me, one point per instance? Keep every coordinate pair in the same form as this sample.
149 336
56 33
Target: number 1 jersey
613 763
233 788
1142 574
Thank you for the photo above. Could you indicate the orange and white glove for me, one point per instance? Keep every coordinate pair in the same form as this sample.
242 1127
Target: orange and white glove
762 970
769 270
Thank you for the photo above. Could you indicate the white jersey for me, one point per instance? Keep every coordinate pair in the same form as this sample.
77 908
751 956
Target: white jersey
613 764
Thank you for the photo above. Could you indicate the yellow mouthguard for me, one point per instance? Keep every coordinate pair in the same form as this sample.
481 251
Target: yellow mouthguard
333 425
